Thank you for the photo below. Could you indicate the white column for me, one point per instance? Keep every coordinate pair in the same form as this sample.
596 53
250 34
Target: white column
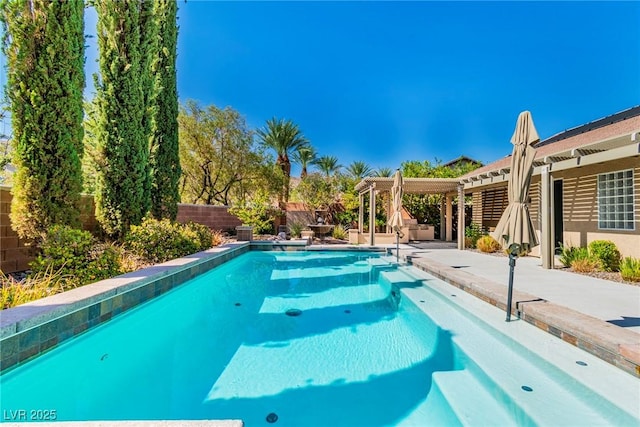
443 227
546 218
449 231
361 214
372 214
461 217
388 212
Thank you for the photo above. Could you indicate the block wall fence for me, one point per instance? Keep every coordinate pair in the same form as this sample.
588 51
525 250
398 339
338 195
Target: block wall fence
15 254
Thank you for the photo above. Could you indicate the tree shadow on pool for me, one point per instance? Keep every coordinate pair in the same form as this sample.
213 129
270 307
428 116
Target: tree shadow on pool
381 400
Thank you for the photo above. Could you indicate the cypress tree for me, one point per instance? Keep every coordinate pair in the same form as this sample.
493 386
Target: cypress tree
123 116
44 46
164 150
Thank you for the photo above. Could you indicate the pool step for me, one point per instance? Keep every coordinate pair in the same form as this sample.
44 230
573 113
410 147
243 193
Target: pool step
398 278
392 281
519 383
472 403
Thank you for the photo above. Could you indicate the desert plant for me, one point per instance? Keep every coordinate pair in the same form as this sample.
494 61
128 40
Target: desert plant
567 254
217 238
584 262
36 286
339 232
630 269
608 254
295 228
472 233
488 244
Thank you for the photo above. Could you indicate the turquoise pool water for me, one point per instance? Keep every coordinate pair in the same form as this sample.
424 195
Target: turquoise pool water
303 339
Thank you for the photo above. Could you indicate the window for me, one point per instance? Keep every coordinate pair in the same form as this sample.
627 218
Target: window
615 200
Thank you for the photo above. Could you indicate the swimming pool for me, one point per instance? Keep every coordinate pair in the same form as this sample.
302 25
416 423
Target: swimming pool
307 339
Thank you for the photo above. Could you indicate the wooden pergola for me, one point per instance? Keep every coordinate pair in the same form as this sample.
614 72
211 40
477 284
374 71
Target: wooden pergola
448 187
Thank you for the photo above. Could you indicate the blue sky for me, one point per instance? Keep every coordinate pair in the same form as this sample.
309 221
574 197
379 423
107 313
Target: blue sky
385 82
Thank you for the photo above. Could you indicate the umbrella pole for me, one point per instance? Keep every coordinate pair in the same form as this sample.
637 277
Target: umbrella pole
512 264
397 248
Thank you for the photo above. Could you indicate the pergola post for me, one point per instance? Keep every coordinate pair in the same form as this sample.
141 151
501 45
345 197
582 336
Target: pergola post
372 214
388 211
546 231
461 217
361 214
449 206
443 227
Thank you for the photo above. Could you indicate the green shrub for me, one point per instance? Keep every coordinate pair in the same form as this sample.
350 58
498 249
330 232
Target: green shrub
472 233
75 256
608 254
159 241
630 269
204 234
488 244
295 228
339 232
258 214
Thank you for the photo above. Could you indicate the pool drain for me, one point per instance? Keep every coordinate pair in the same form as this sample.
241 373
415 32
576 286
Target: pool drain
347 311
526 388
272 417
238 304
293 312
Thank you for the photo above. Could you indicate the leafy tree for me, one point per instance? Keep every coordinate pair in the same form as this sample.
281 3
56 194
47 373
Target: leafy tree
284 137
329 165
220 164
359 170
91 155
44 46
304 156
164 158
317 192
426 208
123 115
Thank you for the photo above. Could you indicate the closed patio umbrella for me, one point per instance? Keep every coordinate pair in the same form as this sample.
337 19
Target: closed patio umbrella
396 217
515 229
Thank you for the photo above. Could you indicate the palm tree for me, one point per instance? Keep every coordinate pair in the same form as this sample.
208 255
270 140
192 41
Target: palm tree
285 138
304 156
328 164
383 173
359 170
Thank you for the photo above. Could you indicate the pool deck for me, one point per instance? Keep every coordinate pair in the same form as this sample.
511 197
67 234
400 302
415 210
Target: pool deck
599 316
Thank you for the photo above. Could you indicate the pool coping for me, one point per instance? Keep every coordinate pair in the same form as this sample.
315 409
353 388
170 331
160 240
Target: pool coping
606 341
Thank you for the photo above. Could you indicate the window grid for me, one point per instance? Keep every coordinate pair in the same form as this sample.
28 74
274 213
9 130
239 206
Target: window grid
615 201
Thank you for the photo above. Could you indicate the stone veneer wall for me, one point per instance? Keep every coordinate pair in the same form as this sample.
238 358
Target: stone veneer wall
15 254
